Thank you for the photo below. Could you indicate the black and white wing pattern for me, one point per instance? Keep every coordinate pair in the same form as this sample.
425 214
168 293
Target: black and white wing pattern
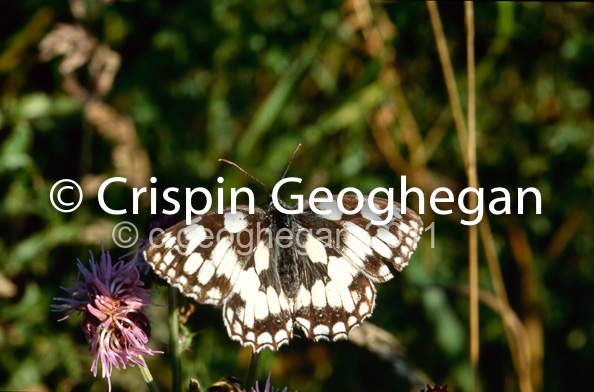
340 256
205 259
270 271
226 260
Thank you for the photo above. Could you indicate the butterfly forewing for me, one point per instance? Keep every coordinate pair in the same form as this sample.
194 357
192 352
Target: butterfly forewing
339 255
362 242
205 259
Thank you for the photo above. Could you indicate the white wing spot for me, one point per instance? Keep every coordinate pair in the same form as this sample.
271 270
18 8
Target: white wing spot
235 223
195 235
264 338
381 248
283 303
315 250
352 321
305 325
321 330
219 252
333 295
388 238
261 307
397 212
346 298
318 294
193 263
214 293
340 270
363 308
384 272
273 303
169 257
262 256
206 272
360 248
280 336
303 298
248 319
370 215
338 328
227 264
334 215
248 283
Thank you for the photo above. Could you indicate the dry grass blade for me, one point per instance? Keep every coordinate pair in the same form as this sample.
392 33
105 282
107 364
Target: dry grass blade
520 358
473 183
448 74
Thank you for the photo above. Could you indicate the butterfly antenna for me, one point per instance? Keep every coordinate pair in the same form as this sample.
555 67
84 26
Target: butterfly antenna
245 172
291 161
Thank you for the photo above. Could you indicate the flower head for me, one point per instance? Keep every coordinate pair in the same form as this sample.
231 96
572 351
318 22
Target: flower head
267 387
112 301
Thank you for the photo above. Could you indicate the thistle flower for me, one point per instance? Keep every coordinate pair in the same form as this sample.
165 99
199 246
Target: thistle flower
112 301
267 387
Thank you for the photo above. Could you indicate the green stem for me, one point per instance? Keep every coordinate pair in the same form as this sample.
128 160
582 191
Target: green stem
174 340
253 372
147 376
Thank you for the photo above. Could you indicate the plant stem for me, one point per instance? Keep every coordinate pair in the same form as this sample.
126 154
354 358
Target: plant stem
472 182
253 372
147 376
174 340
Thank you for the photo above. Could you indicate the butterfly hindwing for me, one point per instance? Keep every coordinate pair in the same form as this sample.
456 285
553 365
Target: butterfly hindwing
333 298
257 312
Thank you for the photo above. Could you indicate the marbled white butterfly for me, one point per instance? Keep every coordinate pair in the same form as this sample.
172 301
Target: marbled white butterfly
270 271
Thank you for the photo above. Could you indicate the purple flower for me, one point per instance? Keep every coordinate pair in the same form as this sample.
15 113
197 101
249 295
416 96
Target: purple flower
267 387
112 301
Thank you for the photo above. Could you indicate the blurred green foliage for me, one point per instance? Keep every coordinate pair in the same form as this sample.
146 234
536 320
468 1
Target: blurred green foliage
247 81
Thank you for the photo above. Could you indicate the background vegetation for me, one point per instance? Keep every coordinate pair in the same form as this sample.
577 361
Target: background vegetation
98 88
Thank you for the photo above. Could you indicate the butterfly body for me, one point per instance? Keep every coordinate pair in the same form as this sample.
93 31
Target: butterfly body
272 271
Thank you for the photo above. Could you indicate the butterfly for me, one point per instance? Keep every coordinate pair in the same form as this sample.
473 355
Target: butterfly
272 272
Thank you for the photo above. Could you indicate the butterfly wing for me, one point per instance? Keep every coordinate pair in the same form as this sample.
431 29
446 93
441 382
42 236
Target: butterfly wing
204 260
257 312
228 260
340 256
